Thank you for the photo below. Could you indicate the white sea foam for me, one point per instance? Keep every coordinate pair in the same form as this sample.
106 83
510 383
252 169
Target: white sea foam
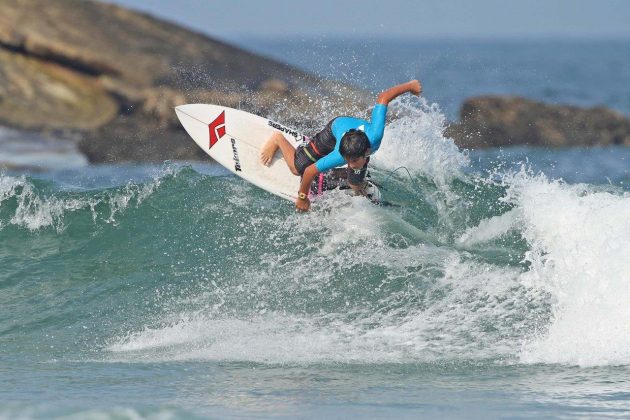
415 139
489 229
349 220
443 305
580 248
8 185
442 312
452 306
36 210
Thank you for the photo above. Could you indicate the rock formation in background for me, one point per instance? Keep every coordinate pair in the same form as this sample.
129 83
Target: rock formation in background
494 121
112 77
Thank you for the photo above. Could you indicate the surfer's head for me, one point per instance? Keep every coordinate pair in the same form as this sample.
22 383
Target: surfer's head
355 148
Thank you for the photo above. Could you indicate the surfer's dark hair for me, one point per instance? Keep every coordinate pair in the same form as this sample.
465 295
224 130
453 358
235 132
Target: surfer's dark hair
354 144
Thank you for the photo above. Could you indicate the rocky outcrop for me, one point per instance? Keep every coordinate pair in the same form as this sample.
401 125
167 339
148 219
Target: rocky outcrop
110 78
494 121
113 76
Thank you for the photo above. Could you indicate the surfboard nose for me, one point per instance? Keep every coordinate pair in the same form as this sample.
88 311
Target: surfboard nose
201 112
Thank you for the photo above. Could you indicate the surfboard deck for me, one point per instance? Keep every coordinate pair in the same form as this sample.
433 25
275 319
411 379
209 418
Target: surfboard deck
234 138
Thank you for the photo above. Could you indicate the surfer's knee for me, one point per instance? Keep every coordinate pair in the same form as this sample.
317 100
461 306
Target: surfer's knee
277 137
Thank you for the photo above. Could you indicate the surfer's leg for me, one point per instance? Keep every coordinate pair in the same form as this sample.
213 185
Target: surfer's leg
276 141
288 153
269 148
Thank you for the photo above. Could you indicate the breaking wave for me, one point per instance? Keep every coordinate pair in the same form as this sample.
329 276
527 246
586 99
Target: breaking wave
192 264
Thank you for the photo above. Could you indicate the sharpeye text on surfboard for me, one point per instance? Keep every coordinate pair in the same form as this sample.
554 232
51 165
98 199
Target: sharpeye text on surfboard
283 129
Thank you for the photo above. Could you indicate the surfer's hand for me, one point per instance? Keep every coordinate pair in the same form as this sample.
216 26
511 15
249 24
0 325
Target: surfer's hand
415 87
302 204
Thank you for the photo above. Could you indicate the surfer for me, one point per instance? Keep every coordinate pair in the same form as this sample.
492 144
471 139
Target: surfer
343 140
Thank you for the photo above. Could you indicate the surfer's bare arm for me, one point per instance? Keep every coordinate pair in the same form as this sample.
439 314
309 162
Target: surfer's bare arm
304 204
390 94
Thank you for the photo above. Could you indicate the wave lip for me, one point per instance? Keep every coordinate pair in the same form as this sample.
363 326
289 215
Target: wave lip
27 204
580 248
416 141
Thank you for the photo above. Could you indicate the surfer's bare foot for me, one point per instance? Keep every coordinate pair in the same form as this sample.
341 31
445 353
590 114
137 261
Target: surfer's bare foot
268 150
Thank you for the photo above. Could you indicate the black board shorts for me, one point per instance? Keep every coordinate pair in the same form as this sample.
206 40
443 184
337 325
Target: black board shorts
302 161
314 148
305 156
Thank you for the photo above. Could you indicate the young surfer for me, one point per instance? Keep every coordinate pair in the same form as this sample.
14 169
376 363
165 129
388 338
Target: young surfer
343 140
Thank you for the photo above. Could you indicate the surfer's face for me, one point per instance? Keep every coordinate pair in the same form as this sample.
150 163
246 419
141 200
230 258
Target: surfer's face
357 162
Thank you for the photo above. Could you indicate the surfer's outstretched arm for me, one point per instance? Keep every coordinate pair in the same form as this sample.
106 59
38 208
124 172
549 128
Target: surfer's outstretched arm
390 94
304 204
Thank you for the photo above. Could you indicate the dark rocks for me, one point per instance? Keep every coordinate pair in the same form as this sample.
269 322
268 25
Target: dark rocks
114 76
493 121
111 77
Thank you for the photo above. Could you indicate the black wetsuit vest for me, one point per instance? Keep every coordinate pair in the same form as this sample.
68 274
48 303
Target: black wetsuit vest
322 144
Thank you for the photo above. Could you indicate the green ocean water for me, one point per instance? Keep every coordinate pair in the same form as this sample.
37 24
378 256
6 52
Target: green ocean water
494 286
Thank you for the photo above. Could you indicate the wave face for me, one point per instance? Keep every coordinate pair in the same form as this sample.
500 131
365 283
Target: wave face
478 259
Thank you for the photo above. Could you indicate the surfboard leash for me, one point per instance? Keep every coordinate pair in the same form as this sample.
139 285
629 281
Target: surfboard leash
391 173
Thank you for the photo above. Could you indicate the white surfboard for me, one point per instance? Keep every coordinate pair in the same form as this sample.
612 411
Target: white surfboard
234 139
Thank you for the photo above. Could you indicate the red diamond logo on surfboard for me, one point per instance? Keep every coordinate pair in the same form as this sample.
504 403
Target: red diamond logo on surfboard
217 129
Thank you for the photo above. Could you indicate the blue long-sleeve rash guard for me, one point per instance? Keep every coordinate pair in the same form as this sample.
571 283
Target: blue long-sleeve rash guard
374 130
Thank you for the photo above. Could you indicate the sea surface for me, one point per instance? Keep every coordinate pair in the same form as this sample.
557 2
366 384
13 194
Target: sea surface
582 72
495 285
